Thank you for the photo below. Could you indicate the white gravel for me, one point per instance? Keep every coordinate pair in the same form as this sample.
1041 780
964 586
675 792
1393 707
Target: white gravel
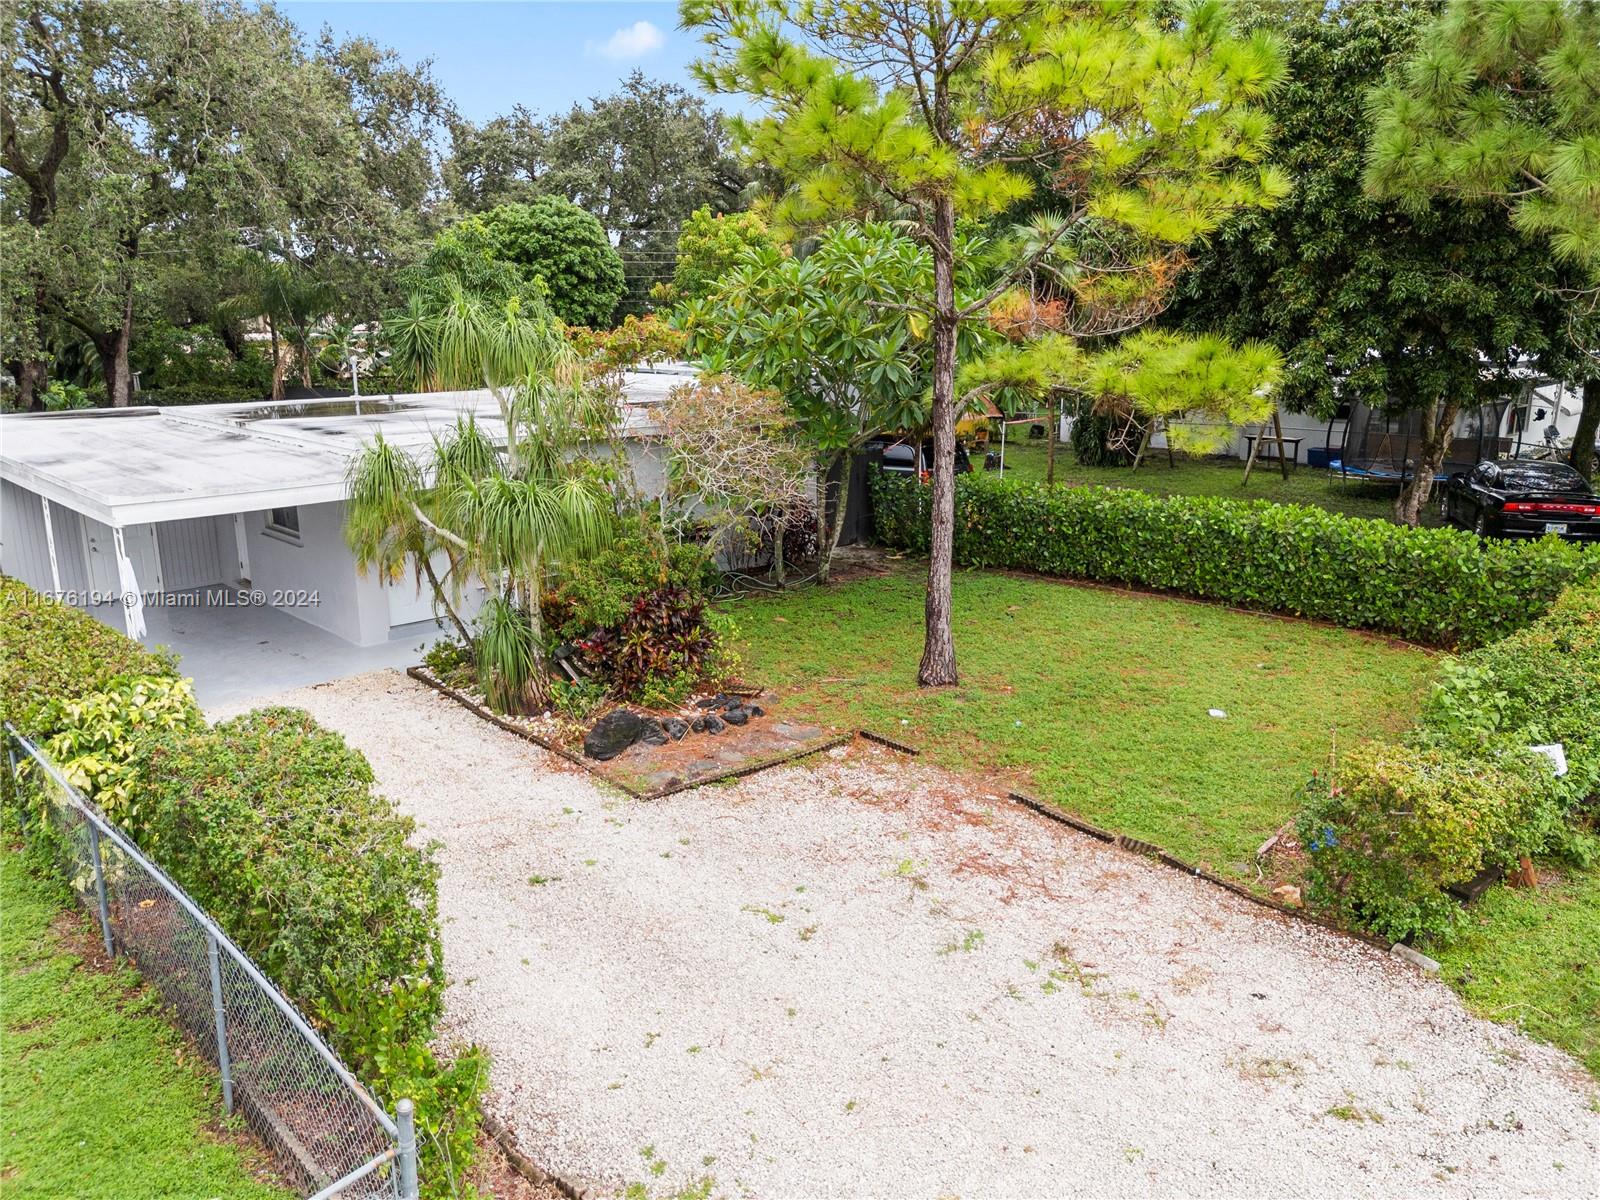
836 979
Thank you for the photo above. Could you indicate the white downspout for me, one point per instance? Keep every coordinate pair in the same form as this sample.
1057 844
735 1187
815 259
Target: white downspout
50 541
132 600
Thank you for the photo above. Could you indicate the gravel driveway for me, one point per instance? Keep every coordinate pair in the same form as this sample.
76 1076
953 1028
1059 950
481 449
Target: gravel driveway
860 976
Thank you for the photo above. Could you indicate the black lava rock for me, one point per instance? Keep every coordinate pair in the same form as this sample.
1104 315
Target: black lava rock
736 715
616 731
675 728
698 725
755 710
714 724
654 734
718 701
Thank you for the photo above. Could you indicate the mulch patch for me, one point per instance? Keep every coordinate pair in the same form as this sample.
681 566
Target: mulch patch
650 772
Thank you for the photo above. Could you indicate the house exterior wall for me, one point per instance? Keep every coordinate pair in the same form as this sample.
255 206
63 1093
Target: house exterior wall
197 552
347 605
24 550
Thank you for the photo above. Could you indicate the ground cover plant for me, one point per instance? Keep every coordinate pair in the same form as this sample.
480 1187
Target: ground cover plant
99 1098
1094 699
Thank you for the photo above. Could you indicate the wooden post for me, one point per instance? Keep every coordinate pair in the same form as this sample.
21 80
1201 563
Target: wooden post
1255 448
1277 426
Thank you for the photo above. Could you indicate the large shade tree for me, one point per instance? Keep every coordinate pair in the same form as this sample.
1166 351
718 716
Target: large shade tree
139 138
641 160
1138 115
1500 101
1424 309
558 242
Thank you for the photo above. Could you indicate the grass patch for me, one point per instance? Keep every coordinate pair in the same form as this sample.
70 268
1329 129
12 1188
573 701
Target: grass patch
1531 958
99 1096
1025 461
1095 700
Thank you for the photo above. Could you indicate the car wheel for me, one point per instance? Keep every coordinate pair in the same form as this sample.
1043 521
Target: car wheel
1444 507
1481 525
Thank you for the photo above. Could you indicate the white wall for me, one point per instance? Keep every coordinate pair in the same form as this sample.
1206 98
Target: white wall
24 550
349 605
197 551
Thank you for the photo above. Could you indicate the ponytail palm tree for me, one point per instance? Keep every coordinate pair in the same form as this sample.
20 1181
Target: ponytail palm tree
507 514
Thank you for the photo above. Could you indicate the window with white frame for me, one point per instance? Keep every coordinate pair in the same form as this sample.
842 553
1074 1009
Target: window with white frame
284 523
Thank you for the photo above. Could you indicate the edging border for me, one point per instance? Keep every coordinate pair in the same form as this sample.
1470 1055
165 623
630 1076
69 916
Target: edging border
501 1135
460 697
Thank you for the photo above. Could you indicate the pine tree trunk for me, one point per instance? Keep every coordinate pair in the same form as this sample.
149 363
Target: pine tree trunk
1435 446
1588 426
938 668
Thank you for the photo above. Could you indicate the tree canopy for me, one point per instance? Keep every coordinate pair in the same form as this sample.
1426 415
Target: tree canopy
1423 308
556 241
641 160
1500 99
140 139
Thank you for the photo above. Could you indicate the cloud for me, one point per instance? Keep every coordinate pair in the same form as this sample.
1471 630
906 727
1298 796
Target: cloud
633 41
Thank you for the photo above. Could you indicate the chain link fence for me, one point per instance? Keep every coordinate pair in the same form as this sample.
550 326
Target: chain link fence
329 1136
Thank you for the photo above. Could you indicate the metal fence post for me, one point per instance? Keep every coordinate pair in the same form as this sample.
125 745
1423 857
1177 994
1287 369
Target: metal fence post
224 1067
404 1118
100 887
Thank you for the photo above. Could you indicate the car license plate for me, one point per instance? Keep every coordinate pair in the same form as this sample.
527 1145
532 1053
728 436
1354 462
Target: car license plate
1554 527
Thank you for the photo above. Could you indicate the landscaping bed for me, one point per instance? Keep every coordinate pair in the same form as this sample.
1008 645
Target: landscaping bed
692 746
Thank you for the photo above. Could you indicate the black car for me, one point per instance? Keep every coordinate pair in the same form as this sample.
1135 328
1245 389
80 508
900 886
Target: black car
900 456
1515 497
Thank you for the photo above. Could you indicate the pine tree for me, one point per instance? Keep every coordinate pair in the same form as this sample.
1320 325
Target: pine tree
1139 116
1501 102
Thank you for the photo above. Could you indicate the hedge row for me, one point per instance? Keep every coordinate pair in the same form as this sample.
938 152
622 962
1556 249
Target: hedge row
270 822
49 651
1398 823
1434 586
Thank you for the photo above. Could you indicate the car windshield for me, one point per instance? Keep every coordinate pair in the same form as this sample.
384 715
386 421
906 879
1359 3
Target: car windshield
1555 476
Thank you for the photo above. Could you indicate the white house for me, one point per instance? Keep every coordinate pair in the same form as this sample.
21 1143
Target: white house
137 515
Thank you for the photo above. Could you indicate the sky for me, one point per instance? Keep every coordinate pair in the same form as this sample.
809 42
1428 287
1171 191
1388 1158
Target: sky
490 55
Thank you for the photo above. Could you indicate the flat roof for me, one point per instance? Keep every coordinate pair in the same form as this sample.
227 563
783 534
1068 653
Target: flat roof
133 465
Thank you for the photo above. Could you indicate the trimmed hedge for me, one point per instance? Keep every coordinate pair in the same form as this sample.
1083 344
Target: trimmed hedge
270 822
51 652
1434 586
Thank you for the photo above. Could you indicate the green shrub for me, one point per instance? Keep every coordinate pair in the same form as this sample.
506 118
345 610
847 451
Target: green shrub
99 739
51 652
641 619
1435 586
1398 824
270 822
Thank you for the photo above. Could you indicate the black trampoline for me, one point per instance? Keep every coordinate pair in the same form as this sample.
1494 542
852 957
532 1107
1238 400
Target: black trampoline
1383 446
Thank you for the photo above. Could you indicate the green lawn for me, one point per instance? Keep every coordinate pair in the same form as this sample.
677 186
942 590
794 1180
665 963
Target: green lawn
98 1095
1095 700
1213 477
1533 959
